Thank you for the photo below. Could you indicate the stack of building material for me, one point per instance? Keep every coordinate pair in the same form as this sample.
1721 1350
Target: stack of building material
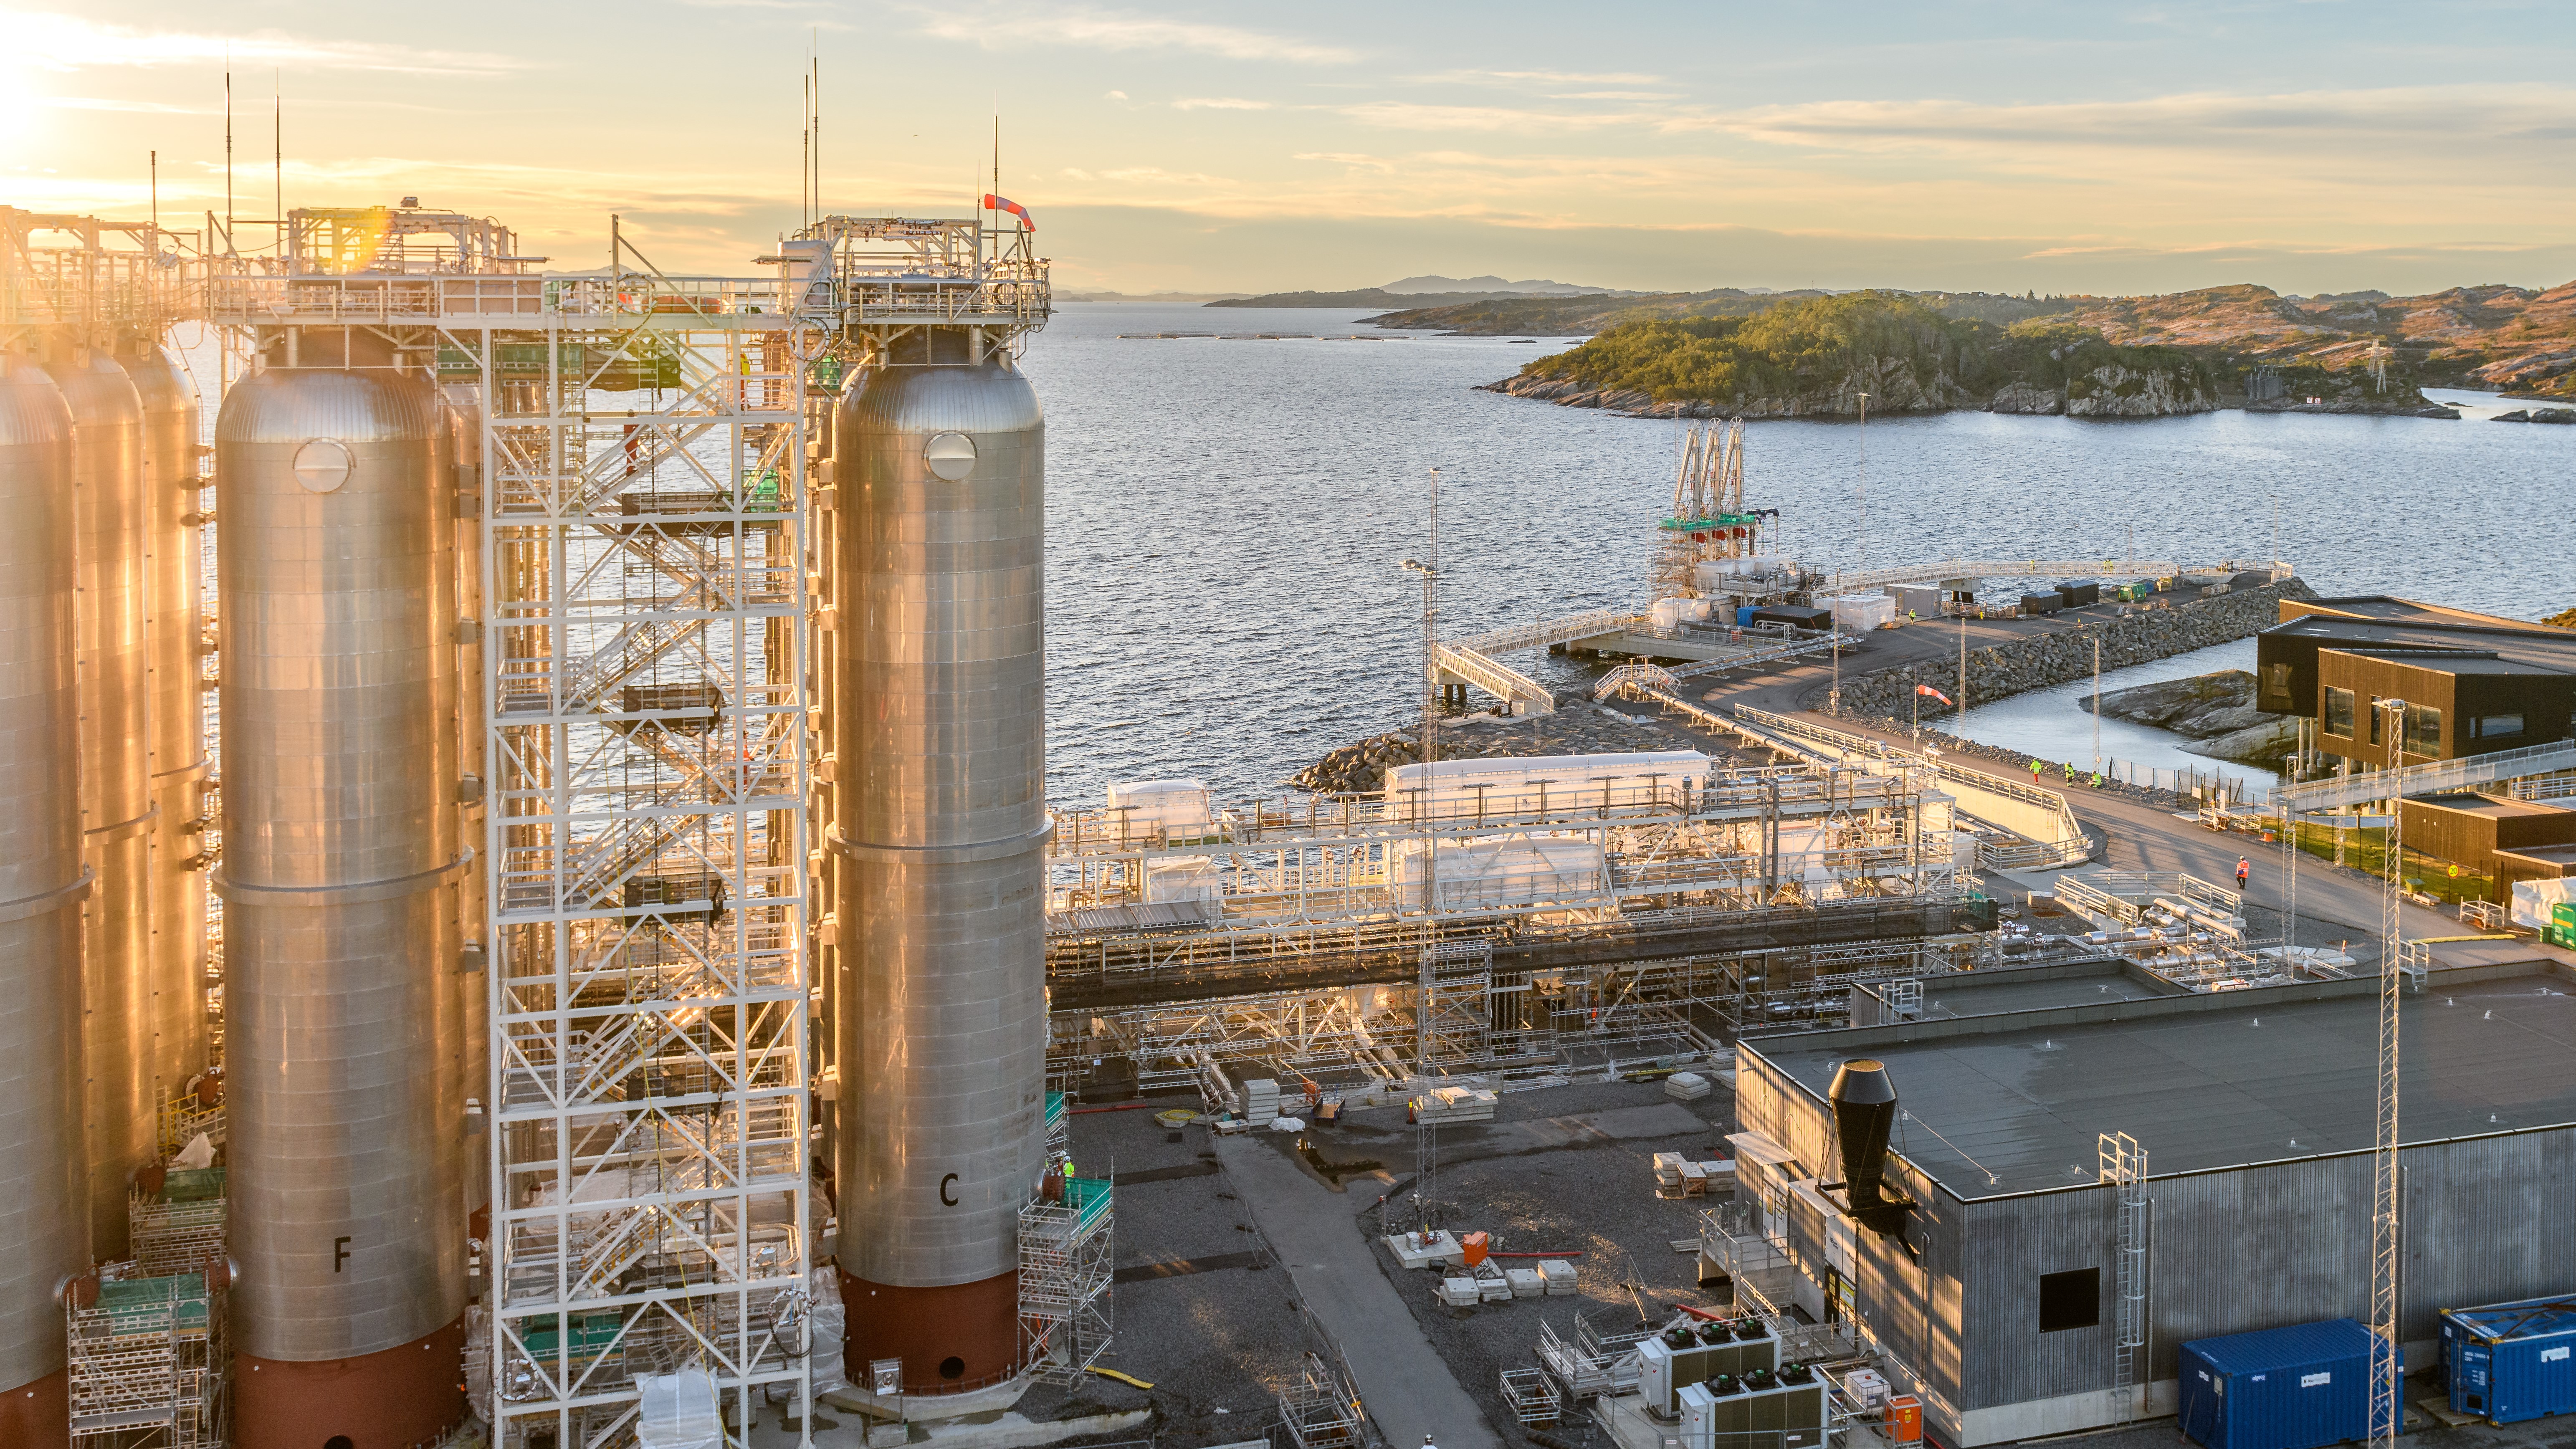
1492 1284
1453 1104
1721 1174
1260 1099
1558 1276
1685 1086
1694 1179
1459 1292
1668 1172
1526 1283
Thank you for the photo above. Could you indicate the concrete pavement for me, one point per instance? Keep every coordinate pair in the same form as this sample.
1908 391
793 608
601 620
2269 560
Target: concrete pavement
1404 1383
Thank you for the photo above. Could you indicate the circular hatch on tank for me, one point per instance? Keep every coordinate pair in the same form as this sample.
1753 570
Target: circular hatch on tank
322 465
951 456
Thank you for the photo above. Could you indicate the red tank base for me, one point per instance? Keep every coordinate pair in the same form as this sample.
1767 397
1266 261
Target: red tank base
38 1415
965 1336
395 1399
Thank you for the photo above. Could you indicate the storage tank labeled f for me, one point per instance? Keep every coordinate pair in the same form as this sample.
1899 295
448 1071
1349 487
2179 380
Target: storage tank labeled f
44 1220
338 619
938 727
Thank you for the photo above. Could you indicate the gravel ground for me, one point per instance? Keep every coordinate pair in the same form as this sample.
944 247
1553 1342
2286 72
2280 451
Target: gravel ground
1217 1345
1597 1199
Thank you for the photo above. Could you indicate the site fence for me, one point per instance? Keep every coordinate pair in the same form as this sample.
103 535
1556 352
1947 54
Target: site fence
2199 784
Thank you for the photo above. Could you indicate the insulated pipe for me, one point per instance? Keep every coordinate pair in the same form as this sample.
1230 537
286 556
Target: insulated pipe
120 1095
346 1100
937 694
43 1217
174 618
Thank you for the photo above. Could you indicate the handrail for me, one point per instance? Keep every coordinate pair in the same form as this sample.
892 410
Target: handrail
2432 777
1500 680
1548 631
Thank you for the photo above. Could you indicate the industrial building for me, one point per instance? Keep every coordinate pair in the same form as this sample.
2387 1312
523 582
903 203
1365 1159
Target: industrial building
2077 1190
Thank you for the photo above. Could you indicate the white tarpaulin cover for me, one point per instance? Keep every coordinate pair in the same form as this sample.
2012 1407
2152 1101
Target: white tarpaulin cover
2533 898
1176 805
678 1411
1514 786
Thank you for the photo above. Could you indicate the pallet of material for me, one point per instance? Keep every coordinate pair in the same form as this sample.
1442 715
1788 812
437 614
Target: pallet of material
1720 1173
1686 1086
1526 1283
1458 1292
1668 1169
1452 1104
1558 1275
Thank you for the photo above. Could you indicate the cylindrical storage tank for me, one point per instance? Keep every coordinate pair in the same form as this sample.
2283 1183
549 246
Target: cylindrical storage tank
173 622
119 1097
939 1007
336 563
42 1177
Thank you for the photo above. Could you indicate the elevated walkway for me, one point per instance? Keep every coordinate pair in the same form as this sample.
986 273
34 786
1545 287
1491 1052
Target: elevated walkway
2436 778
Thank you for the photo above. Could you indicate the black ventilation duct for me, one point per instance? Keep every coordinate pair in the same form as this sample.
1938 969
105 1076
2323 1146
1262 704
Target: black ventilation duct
1864 1103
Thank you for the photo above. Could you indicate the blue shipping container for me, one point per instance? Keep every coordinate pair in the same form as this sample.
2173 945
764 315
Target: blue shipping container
2282 1388
1744 616
2512 1361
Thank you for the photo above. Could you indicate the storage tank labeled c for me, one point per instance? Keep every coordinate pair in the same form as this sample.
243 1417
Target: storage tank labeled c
345 1105
119 1097
937 690
43 1216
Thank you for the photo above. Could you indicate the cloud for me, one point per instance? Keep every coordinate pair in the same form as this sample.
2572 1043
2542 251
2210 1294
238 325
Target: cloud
1413 116
1117 95
1219 103
1539 77
1349 158
996 26
1618 96
2449 118
47 41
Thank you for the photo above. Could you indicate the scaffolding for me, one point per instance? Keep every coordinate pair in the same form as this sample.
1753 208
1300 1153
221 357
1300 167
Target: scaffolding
1707 521
2123 1165
633 462
1066 1252
1318 1411
176 1225
147 1361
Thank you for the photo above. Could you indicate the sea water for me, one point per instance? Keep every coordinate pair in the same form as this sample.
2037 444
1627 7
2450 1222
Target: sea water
1228 520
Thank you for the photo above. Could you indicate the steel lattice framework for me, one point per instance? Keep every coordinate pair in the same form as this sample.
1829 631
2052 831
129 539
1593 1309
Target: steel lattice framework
646 843
2387 1372
631 454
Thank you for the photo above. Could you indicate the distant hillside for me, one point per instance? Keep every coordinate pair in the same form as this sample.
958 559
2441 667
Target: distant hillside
1583 316
1492 286
1364 297
1818 355
2491 336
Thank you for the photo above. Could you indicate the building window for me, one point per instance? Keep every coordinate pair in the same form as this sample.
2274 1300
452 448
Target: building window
2339 712
2072 1299
2375 713
2494 725
2276 684
2423 729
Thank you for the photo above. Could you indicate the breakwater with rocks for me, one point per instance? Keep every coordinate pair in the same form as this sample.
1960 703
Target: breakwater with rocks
2001 670
1575 729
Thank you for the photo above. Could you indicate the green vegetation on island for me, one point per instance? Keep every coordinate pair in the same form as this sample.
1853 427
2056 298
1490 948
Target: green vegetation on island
1819 355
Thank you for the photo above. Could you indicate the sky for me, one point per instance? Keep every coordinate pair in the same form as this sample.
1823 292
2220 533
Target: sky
2311 147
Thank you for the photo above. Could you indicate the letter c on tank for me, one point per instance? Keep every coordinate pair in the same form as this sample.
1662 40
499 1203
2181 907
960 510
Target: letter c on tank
943 1189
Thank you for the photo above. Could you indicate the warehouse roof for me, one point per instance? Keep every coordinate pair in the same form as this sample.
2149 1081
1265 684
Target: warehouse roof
2390 609
2032 988
1999 1105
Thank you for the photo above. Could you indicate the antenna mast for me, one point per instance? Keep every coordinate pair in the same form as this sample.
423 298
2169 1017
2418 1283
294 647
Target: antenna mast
2386 1408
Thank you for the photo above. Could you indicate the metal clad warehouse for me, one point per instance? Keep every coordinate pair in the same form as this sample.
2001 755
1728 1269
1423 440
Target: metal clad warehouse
2255 1108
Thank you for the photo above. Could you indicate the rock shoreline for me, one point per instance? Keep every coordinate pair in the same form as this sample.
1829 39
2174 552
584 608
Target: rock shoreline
1579 728
2000 671
2106 392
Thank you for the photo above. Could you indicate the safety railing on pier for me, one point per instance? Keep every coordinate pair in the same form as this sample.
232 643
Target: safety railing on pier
1523 694
2060 841
1541 632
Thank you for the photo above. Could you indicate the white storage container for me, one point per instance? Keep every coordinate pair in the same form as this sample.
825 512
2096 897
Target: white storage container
1179 806
1860 613
1500 872
1666 613
1509 786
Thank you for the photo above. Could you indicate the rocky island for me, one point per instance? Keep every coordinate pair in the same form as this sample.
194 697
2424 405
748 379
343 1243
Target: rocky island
2214 711
2357 352
1819 356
